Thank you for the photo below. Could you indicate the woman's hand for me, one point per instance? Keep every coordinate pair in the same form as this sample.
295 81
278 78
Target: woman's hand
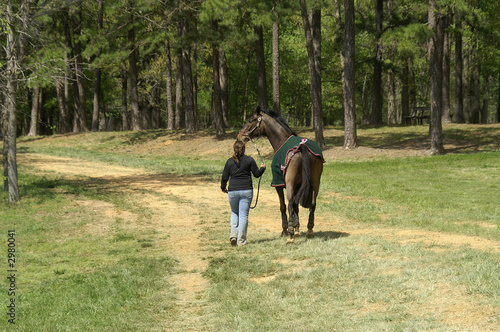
224 191
262 166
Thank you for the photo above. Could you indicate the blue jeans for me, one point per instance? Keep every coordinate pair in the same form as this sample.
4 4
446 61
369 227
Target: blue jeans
240 201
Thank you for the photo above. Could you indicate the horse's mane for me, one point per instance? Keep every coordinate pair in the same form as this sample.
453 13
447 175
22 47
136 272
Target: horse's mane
276 116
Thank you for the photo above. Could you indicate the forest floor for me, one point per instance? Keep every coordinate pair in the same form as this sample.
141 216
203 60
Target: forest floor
372 144
183 201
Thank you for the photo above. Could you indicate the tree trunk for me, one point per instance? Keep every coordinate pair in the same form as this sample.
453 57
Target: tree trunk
102 117
170 102
224 86
10 106
170 116
64 125
276 63
80 78
405 92
377 65
76 102
36 109
179 110
446 117
486 102
261 67
391 98
365 117
97 72
67 67
72 68
413 86
124 98
155 111
341 38
60 86
11 135
5 152
498 105
474 87
312 32
436 77
219 122
97 99
348 82
145 114
195 75
134 92
459 97
466 86
188 81
318 105
247 79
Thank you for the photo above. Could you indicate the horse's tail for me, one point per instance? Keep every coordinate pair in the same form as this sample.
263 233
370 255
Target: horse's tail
304 195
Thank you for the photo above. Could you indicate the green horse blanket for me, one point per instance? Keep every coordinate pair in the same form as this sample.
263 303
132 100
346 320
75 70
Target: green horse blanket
285 153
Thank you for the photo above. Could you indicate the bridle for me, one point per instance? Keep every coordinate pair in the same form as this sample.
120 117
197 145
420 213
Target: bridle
259 121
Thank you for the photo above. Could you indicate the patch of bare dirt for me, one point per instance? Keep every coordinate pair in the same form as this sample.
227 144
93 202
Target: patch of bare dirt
432 238
451 303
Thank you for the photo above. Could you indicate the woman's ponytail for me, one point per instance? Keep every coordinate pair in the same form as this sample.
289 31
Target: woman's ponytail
239 150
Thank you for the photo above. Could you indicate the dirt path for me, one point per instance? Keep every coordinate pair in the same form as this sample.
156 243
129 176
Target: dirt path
175 208
174 211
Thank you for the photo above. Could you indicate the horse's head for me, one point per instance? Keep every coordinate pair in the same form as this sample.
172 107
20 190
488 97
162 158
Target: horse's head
253 128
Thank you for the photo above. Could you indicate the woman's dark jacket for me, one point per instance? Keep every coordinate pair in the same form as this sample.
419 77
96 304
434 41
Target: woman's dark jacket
239 176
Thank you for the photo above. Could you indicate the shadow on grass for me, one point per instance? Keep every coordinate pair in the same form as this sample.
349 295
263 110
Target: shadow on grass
458 138
324 236
23 149
29 139
134 183
40 189
139 136
330 235
46 188
142 136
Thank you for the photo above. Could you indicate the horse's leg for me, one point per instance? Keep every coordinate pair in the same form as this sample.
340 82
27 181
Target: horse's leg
310 223
296 213
284 221
293 216
293 179
293 221
317 169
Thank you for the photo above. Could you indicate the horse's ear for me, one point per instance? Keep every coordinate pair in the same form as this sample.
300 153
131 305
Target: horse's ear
258 110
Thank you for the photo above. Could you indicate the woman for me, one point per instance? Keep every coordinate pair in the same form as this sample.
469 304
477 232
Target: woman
238 170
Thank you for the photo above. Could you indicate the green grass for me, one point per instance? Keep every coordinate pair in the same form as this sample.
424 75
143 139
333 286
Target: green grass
73 279
117 297
77 276
348 284
453 193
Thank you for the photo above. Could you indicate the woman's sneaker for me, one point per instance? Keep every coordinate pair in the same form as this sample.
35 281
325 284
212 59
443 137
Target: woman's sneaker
233 241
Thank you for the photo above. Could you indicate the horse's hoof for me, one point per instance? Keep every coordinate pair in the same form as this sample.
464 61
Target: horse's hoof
284 234
290 241
310 234
297 233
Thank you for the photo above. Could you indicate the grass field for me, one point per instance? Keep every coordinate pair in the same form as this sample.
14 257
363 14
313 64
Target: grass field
404 241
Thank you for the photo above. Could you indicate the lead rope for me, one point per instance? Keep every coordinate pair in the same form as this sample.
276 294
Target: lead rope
260 178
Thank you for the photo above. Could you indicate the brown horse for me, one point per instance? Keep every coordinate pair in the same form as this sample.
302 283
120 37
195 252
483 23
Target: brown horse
303 170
